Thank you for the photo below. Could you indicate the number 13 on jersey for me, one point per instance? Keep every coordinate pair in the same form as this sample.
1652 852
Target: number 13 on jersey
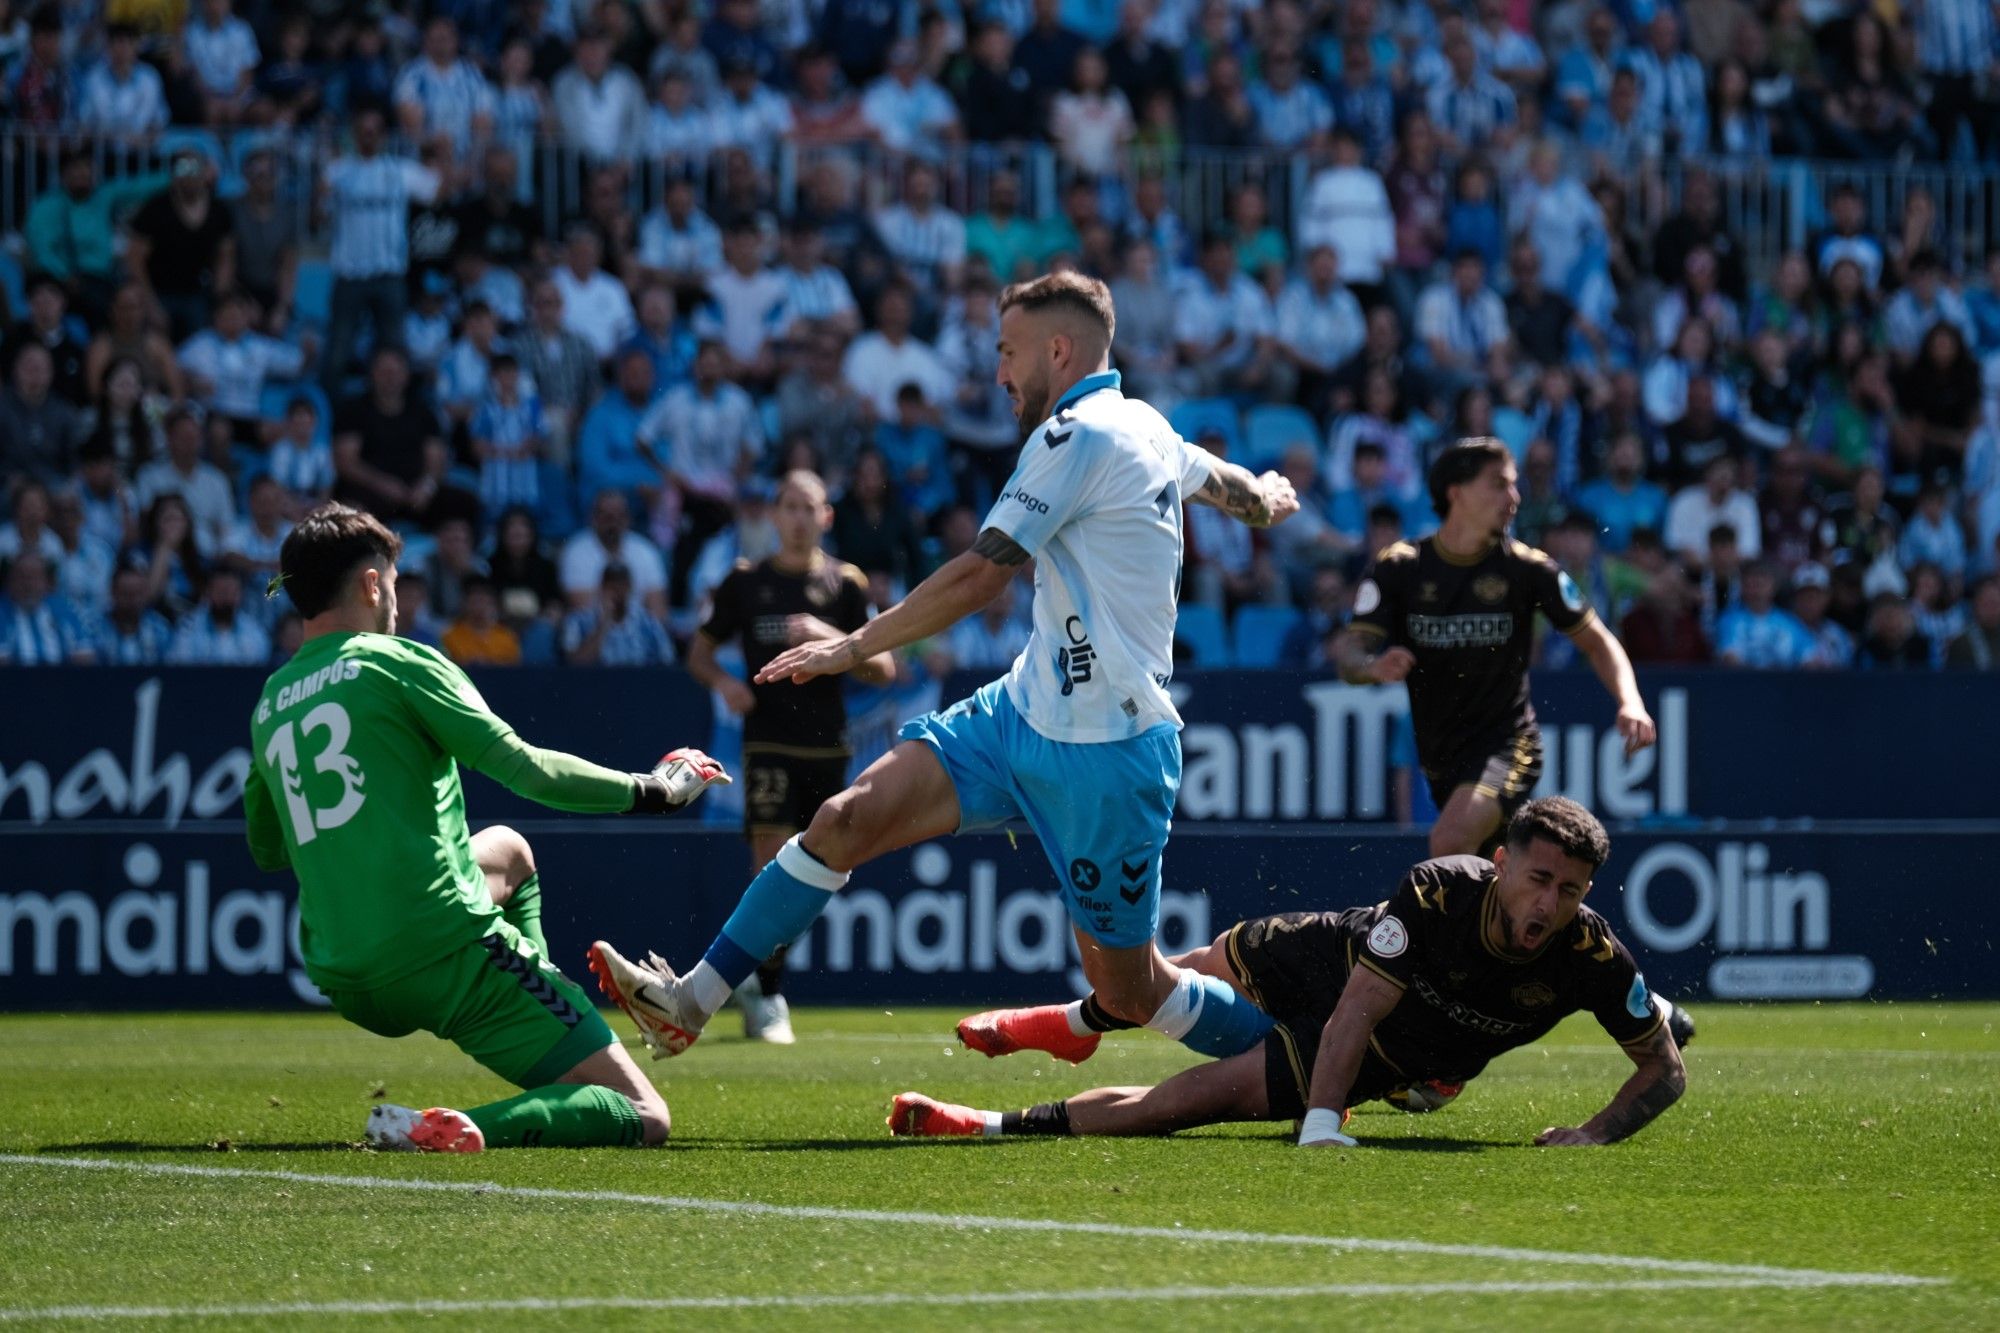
282 752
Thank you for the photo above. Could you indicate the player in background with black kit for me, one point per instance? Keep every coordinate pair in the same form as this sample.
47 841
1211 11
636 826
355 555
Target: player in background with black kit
795 748
407 919
1453 614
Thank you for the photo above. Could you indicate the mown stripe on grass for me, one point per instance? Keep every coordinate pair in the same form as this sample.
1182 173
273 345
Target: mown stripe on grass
978 1222
561 1304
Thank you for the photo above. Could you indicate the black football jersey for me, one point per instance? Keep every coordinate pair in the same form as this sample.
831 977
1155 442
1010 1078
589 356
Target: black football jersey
1464 1001
1471 625
755 602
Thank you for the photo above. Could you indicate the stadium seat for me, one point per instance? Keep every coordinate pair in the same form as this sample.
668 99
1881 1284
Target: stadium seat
1202 414
14 284
1202 630
1260 633
538 644
1272 428
312 295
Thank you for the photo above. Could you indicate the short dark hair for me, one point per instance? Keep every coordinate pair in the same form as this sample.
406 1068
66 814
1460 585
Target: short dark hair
1074 292
1461 463
327 546
1560 820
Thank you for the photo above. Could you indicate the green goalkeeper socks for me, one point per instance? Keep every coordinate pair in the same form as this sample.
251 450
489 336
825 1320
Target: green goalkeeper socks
562 1115
524 912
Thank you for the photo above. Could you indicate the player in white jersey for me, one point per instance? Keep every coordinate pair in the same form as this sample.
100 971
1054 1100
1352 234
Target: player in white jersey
1080 739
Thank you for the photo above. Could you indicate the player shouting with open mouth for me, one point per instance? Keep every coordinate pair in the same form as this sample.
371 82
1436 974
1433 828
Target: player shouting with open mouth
1080 738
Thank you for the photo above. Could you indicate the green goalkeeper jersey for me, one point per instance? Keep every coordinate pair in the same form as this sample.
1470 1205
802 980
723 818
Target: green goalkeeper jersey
355 747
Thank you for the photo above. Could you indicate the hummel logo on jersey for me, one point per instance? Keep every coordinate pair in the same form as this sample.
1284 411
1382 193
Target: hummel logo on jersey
1058 437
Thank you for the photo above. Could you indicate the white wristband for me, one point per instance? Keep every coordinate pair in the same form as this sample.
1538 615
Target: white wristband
1323 1126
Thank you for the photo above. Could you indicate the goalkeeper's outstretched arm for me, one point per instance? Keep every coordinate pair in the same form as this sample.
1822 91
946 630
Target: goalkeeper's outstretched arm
566 782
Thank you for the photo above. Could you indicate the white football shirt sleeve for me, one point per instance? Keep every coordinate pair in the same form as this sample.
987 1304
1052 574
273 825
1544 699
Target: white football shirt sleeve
1051 485
1197 465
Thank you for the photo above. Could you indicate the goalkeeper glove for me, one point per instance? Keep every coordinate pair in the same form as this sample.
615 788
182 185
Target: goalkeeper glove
675 781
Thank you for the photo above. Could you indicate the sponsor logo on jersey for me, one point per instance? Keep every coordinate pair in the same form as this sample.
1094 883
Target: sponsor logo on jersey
1478 629
1075 664
1638 1001
1490 588
1464 1014
1027 502
1389 938
1571 594
1367 597
1534 995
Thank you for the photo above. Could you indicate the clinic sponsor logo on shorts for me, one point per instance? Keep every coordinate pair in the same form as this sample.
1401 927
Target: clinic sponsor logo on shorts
1491 629
1389 938
1026 501
1084 876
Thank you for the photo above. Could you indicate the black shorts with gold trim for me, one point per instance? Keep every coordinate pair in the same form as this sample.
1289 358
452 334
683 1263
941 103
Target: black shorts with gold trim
1293 967
1507 773
784 786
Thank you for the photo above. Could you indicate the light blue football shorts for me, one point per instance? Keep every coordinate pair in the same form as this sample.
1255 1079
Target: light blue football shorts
1102 811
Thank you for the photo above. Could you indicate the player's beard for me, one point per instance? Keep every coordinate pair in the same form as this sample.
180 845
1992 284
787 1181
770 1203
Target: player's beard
1034 400
385 610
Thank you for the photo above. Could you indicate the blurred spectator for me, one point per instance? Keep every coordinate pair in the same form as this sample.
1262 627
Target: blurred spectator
996 98
1848 237
222 51
1934 604
438 95
128 335
1539 319
169 552
677 241
747 309
1672 88
1851 425
871 528
50 326
1977 648
1472 219
1940 399
1777 401
71 230
1714 501
1860 525
913 447
608 540
110 510
39 627
301 458
368 197
1461 324
562 364
226 366
39 432
466 366
122 96
1470 107
1701 432
477 637
907 111
1319 325
266 240
253 544
1924 302
1225 568
708 437
1757 633
814 401
1933 536
926 238
1293 112
600 107
494 222
451 567
824 111
218 632
1009 243
523 576
1793 521
596 306
414 620
615 630
1047 51
38 89
880 362
132 633
609 453
387 453
748 114
1892 642
1326 614
1223 325
29 528
1832 647
1222 116
287 89
509 439
1663 627
815 291
1583 75
211 503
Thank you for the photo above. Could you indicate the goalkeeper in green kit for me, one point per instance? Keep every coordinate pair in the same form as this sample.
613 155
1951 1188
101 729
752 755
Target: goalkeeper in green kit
406 919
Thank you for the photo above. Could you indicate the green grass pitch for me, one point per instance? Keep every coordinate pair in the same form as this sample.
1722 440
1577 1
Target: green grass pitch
1845 1140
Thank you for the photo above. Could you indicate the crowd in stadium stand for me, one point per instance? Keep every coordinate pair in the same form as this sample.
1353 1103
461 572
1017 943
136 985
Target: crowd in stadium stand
577 420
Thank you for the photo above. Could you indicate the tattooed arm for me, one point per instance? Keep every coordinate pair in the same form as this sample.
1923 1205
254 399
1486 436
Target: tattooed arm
1656 1084
1258 501
963 585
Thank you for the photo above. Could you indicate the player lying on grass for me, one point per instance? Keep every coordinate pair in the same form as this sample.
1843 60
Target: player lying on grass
1470 958
406 919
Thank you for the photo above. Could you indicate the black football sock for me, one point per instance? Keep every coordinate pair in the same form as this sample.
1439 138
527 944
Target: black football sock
1048 1118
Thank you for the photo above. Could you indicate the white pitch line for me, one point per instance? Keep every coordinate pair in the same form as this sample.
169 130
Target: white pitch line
977 1222
560 1304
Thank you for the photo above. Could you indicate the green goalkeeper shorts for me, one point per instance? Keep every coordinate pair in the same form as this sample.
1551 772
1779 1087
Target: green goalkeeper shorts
498 1000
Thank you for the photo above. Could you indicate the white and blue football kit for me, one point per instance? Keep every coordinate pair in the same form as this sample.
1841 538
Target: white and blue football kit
1080 738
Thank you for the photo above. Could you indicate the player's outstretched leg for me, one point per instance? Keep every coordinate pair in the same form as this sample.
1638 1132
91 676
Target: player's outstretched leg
1232 1089
438 1129
905 797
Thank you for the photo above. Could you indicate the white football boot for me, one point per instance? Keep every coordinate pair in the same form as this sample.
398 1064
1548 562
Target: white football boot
438 1129
652 996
